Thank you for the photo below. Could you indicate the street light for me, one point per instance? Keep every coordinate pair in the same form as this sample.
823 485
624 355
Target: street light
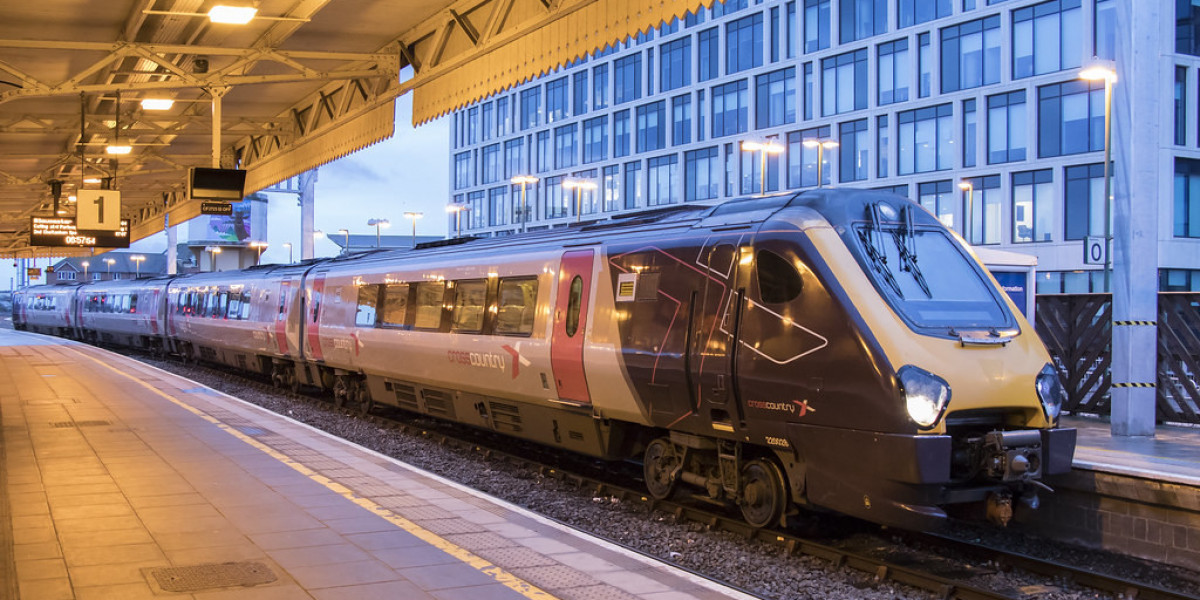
457 209
523 180
377 223
110 262
969 188
576 185
288 245
768 147
137 261
346 246
1106 71
414 216
820 145
260 246
85 264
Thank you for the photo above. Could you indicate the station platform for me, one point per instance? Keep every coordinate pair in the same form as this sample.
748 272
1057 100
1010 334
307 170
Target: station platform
1172 455
123 481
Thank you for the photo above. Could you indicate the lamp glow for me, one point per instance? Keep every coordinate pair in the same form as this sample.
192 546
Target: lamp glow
232 15
119 149
157 103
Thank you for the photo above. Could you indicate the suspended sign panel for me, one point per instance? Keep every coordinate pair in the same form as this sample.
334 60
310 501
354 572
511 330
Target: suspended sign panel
61 231
98 210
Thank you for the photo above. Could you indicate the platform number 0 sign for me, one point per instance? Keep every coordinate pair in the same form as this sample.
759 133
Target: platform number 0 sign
98 210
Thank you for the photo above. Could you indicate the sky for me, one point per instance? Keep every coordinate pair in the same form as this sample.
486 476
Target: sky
407 172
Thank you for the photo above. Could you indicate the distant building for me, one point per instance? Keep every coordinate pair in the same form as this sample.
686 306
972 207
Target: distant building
97 268
360 242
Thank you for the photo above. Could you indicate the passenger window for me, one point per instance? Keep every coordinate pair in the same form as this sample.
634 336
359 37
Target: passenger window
778 281
133 303
235 306
245 306
517 306
573 303
222 306
469 300
368 299
430 296
395 305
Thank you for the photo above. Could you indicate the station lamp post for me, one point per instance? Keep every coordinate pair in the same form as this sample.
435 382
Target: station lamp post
575 185
377 223
1106 71
109 262
969 188
137 262
820 145
523 180
346 245
288 245
260 246
85 264
414 216
768 147
457 209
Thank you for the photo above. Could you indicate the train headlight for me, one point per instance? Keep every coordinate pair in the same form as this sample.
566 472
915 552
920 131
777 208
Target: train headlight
1051 392
926 395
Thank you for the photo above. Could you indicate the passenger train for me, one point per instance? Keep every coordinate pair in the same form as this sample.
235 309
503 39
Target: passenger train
833 349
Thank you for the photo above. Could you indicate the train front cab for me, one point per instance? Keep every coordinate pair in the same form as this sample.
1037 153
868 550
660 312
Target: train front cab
933 394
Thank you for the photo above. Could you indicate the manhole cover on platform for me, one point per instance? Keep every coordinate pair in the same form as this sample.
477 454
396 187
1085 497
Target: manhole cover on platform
204 577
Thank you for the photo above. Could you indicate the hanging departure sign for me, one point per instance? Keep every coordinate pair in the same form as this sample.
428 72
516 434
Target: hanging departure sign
61 231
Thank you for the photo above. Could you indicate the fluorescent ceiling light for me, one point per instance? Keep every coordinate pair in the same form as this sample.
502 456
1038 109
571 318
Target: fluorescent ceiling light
233 15
92 180
119 149
157 103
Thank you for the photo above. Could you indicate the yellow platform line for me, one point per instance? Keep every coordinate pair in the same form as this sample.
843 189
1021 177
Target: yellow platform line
462 554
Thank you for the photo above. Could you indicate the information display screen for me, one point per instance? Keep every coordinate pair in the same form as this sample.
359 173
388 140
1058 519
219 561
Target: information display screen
61 231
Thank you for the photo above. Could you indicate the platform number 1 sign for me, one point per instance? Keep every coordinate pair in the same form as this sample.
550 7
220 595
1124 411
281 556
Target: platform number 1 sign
98 210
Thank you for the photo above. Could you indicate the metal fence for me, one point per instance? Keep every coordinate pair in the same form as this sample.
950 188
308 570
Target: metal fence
1077 329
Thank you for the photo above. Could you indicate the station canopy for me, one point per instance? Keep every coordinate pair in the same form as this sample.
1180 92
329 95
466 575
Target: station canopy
302 83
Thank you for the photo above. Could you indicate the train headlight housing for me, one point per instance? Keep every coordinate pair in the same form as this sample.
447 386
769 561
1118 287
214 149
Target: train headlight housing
1051 392
926 395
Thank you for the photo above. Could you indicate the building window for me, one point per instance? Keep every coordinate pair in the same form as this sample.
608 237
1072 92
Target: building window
894 73
462 170
543 151
504 122
844 83
702 174
861 19
899 190
473 125
488 113
681 120
585 202
621 133
612 188
701 113
1187 27
1181 105
531 106
984 207
1105 30
651 126
914 12
730 168
752 175
938 198
776 98
1033 205
1070 118
1084 206
970 128
565 146
709 54
971 54
729 108
854 159
802 161
808 91
662 180
925 138
790 27
595 139
1047 37
580 92
883 144
600 86
490 157
476 212
744 44
1006 127
633 185
627 78
498 208
816 25
924 65
675 64
1187 198
556 201
525 199
512 157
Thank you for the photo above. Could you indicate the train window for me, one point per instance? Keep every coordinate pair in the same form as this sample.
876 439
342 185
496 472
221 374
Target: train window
235 306
778 280
469 300
133 303
430 295
245 314
222 311
395 305
517 306
573 304
368 299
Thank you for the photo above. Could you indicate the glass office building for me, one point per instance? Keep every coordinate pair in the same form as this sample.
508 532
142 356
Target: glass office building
920 97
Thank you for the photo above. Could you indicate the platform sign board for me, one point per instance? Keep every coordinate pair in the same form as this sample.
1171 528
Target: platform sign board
34 272
1095 251
98 210
216 208
61 231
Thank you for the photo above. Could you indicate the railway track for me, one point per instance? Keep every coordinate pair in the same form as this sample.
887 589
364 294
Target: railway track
940 578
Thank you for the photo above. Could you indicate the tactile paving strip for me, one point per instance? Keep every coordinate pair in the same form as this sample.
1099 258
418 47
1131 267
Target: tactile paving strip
63 424
205 577
556 577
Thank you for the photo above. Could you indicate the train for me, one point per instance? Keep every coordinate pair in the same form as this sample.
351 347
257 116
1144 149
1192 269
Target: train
834 349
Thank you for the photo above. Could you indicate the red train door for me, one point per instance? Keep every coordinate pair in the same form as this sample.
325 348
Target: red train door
570 321
285 290
313 323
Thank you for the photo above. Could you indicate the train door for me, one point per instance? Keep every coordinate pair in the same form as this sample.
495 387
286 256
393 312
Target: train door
570 321
281 317
312 316
716 332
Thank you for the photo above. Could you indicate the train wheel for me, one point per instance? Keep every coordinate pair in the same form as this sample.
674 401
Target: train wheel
659 466
293 381
362 395
764 494
342 388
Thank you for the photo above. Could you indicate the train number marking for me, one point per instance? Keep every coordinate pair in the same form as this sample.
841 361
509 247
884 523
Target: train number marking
777 441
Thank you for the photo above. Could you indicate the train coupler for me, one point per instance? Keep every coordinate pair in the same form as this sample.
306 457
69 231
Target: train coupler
999 508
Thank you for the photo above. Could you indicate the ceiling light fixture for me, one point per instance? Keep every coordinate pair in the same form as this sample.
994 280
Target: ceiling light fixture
230 15
92 180
157 103
122 149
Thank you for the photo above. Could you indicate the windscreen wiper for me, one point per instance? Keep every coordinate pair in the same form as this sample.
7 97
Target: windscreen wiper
868 236
906 243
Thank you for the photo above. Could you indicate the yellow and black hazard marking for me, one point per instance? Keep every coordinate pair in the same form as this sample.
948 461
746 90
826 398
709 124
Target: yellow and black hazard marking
1135 323
1134 385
